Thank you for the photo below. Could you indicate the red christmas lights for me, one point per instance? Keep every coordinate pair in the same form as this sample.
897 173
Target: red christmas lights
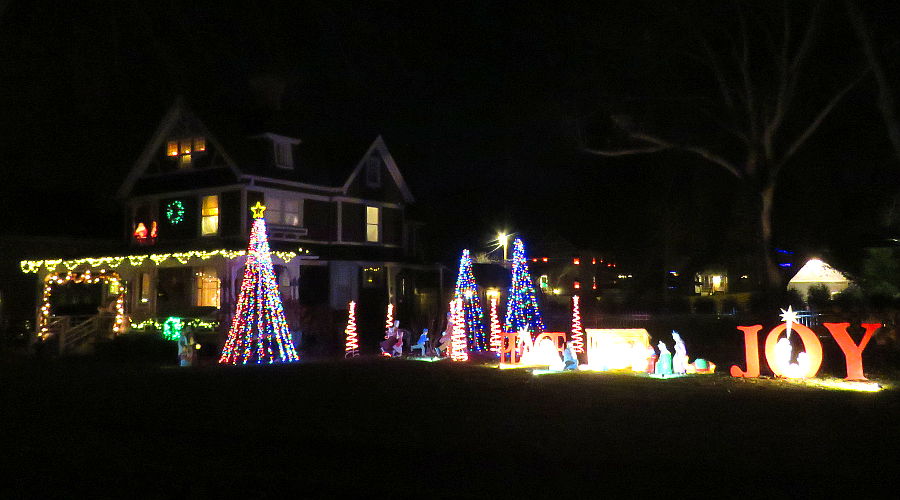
496 339
458 344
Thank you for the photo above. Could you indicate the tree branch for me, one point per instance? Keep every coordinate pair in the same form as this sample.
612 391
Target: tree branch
885 97
811 129
656 144
624 152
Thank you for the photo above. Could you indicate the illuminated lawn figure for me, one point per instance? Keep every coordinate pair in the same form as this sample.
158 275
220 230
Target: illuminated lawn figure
617 348
259 332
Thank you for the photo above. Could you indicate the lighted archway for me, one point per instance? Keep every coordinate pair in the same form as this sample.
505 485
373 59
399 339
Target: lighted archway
110 278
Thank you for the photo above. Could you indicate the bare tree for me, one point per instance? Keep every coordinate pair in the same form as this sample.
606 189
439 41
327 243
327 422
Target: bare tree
758 116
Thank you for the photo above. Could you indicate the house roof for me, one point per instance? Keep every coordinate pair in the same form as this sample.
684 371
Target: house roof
816 271
330 163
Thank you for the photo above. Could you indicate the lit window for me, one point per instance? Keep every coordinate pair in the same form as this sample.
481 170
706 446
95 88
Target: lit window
185 161
283 155
576 285
172 148
373 172
186 146
544 282
576 261
372 218
199 144
283 211
210 215
207 279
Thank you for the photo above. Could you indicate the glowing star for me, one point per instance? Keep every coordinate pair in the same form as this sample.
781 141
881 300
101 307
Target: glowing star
789 317
258 210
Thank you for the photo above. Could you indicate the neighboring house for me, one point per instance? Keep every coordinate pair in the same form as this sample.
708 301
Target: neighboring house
817 273
187 222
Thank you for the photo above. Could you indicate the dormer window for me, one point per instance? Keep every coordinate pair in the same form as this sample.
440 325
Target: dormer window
283 156
172 149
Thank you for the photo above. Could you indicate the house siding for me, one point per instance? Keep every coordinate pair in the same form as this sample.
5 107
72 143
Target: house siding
353 222
320 220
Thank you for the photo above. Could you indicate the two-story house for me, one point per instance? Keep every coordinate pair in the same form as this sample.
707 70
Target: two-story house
187 220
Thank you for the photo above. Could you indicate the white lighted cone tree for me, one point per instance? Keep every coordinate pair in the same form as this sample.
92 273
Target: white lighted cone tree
577 337
351 345
259 332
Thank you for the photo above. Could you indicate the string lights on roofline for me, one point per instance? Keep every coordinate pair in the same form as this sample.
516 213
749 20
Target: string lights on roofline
33 266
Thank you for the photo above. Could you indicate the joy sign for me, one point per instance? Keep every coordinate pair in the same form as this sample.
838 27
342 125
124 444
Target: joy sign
812 359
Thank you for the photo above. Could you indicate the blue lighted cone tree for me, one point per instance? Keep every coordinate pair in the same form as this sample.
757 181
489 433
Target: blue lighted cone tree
259 332
467 292
522 311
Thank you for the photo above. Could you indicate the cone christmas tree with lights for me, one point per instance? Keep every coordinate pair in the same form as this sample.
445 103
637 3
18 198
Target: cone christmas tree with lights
496 339
577 337
522 311
259 332
467 293
351 343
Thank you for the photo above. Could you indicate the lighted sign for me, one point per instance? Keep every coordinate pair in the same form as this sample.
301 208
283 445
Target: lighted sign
516 347
808 361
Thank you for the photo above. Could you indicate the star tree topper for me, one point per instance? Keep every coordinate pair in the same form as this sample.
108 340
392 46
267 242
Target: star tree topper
258 210
789 316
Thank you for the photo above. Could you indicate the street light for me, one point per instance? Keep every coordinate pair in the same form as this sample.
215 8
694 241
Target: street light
503 239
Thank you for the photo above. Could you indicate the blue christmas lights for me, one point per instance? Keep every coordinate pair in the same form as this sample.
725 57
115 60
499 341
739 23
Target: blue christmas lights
521 307
259 332
467 293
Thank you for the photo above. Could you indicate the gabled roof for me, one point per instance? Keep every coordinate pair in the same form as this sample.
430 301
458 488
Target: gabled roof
379 147
176 113
322 164
816 271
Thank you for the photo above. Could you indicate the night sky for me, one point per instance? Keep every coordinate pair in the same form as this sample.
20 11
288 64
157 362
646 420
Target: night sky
485 105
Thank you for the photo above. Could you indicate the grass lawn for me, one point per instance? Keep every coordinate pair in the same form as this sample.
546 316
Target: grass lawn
396 428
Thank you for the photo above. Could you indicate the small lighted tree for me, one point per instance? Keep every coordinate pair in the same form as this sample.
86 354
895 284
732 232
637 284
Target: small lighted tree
496 339
389 319
351 346
522 311
259 332
467 293
577 337
458 344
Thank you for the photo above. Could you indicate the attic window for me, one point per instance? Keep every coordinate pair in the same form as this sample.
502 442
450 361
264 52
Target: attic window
373 172
283 157
184 147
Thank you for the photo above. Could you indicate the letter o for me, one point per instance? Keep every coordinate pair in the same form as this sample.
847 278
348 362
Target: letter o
811 345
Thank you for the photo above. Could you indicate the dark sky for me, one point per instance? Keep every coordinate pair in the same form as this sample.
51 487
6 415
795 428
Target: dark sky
485 105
